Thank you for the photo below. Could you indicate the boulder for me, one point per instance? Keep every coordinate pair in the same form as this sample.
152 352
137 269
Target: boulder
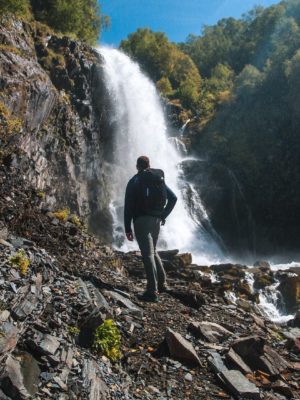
20 378
210 331
182 260
290 290
233 358
262 265
239 385
8 337
258 356
295 322
180 349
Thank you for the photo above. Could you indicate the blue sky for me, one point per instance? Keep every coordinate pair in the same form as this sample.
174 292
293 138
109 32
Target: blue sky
177 18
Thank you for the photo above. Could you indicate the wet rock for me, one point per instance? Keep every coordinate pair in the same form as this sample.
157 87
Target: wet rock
263 265
181 349
263 280
295 322
211 331
168 254
230 269
290 290
239 385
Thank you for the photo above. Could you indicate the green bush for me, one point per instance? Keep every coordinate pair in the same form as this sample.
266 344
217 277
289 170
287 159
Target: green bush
107 340
81 18
17 7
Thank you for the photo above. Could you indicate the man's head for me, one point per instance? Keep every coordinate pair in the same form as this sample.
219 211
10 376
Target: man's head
142 163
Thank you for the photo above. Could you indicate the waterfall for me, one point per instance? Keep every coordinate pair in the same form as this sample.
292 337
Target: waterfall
139 128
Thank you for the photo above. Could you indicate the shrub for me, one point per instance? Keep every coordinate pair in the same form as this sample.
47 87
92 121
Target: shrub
20 261
107 340
62 215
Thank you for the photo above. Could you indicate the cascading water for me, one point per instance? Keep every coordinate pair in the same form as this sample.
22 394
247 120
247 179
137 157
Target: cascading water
140 129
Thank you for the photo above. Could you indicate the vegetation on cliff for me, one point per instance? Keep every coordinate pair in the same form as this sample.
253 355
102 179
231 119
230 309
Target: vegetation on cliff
79 18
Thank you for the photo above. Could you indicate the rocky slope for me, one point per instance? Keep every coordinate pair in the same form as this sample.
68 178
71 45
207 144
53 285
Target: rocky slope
194 344
52 87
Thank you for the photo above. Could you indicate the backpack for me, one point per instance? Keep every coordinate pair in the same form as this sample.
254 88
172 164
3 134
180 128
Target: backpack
152 192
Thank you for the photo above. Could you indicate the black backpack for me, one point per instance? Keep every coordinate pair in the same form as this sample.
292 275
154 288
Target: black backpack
152 193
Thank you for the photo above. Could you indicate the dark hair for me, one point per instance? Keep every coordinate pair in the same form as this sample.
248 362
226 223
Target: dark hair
143 162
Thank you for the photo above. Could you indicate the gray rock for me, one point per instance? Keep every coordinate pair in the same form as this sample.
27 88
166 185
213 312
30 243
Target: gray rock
20 382
3 233
216 362
234 358
44 344
181 349
239 385
96 388
8 337
123 301
211 331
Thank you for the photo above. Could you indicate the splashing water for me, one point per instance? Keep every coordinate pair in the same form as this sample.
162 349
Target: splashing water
140 129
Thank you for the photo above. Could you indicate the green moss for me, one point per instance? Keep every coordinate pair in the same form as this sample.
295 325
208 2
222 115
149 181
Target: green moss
107 340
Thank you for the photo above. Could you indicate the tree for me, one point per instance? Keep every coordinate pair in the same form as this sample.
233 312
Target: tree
173 71
17 7
81 18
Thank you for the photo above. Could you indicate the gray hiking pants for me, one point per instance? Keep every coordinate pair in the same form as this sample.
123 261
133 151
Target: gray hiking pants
146 229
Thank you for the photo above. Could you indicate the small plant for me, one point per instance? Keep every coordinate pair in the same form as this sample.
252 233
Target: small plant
107 340
10 49
41 194
62 215
20 261
73 330
75 220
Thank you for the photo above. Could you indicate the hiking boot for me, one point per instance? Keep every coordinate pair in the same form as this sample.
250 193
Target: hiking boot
149 297
164 289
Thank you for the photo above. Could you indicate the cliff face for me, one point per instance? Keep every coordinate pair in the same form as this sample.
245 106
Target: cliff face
53 87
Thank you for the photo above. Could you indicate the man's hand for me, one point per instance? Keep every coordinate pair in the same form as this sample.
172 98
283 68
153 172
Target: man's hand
129 236
163 221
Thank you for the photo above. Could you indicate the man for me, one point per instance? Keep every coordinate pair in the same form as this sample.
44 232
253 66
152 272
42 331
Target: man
148 202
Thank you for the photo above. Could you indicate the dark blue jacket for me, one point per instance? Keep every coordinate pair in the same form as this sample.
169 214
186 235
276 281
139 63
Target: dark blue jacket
131 211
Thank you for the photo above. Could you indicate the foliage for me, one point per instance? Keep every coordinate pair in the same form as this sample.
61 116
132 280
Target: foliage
249 110
8 124
76 220
81 18
16 7
107 340
20 261
10 49
73 330
173 71
62 215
